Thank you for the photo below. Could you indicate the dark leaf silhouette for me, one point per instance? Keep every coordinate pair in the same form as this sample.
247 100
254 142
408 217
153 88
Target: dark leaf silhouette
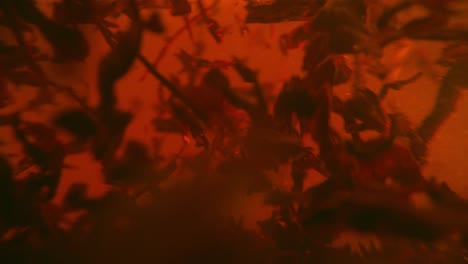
246 73
44 151
212 25
191 124
363 111
60 36
12 57
180 7
77 122
167 125
397 85
280 11
270 146
293 99
343 20
371 212
124 51
25 78
213 84
135 166
72 12
7 201
252 175
76 196
117 63
154 24
447 97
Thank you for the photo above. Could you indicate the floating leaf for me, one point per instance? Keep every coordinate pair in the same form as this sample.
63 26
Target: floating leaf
180 7
245 72
154 24
445 103
59 36
397 85
167 125
77 122
210 95
294 99
365 107
191 124
76 197
26 78
281 11
135 167
457 74
7 193
12 57
117 63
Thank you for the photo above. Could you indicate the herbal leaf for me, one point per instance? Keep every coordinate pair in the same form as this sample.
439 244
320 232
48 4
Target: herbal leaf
78 123
59 36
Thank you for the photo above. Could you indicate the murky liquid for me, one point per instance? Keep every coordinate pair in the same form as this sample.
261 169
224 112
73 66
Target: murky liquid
258 45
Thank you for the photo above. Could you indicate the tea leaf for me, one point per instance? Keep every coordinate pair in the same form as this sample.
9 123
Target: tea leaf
281 11
59 36
78 123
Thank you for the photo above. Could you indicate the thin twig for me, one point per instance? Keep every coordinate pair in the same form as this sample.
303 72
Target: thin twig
170 86
189 28
170 41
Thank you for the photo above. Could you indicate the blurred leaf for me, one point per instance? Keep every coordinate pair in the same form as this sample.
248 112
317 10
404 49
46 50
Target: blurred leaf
167 125
294 38
191 124
110 135
343 20
244 172
454 52
12 57
317 50
117 63
443 8
343 71
269 146
26 78
397 85
372 212
7 193
457 74
445 102
364 107
294 99
282 10
389 14
180 7
278 198
215 29
5 96
76 196
135 167
210 94
83 11
112 68
155 24
245 72
59 36
77 122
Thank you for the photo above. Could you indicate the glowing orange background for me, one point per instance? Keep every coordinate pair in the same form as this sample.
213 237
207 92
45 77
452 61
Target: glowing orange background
446 160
